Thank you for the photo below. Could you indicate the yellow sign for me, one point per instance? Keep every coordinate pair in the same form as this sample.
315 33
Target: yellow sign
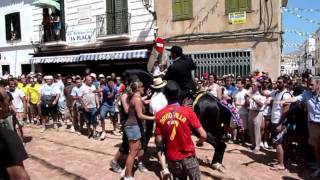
238 18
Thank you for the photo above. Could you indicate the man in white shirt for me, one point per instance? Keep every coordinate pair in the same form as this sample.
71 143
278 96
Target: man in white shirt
278 113
214 88
62 98
89 100
19 102
49 99
157 102
76 106
240 102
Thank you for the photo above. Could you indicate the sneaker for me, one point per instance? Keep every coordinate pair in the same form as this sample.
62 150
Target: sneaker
255 151
219 167
42 130
103 136
116 133
266 145
123 173
72 129
165 174
142 168
128 178
115 167
262 145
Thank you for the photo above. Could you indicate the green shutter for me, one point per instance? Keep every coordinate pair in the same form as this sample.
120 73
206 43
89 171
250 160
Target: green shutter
117 16
244 5
182 9
176 9
110 17
187 9
231 6
121 16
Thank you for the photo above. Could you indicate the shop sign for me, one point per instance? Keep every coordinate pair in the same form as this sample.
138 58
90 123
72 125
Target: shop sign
238 18
81 36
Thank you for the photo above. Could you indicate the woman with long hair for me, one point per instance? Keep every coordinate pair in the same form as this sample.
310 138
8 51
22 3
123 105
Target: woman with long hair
255 117
131 126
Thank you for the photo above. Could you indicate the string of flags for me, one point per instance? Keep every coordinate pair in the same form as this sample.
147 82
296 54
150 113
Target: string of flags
291 45
301 9
301 17
299 33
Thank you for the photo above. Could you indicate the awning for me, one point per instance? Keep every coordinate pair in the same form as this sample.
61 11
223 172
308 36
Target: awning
47 3
114 55
111 55
54 59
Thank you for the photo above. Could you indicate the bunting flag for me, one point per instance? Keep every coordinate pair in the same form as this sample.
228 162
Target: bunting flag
301 9
291 45
299 33
301 17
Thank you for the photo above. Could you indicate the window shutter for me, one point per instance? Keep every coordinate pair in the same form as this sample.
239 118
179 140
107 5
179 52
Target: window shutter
121 16
231 6
8 33
176 9
244 5
110 17
17 25
187 9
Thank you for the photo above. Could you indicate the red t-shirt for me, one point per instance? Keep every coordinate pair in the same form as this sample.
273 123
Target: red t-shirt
176 132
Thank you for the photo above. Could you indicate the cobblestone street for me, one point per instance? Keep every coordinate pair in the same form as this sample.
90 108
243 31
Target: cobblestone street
64 155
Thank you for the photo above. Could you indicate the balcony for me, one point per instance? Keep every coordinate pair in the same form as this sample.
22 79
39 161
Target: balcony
113 25
51 37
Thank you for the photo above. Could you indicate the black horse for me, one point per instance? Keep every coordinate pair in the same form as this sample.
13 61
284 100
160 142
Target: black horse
212 114
213 117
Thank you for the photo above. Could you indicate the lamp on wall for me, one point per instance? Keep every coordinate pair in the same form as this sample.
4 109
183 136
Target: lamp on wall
147 4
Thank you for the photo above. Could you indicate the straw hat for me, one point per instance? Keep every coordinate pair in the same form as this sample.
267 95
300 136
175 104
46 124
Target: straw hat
158 83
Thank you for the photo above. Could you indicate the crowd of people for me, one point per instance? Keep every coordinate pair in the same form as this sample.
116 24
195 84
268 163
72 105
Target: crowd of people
272 113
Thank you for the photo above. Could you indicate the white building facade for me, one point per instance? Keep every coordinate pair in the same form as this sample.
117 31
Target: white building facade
289 64
92 33
16 30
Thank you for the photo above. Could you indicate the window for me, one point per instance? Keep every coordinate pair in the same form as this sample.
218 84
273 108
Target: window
182 10
5 69
13 30
237 6
117 17
84 14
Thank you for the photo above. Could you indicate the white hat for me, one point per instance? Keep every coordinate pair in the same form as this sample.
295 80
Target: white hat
158 83
101 76
48 77
93 75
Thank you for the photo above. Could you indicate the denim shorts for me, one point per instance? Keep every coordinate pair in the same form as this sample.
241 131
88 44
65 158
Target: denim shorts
106 111
132 132
91 116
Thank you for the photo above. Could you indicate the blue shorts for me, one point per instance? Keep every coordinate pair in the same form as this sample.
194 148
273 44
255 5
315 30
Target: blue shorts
106 111
91 116
133 132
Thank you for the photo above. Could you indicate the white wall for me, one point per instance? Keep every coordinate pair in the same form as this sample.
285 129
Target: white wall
142 27
17 52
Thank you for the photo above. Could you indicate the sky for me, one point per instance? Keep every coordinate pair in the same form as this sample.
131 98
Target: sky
292 22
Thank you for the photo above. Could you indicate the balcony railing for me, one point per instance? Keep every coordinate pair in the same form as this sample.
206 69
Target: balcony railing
113 23
48 34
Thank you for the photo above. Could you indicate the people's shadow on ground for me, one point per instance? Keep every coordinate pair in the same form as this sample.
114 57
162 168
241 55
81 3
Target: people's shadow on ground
27 139
264 157
268 157
149 159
